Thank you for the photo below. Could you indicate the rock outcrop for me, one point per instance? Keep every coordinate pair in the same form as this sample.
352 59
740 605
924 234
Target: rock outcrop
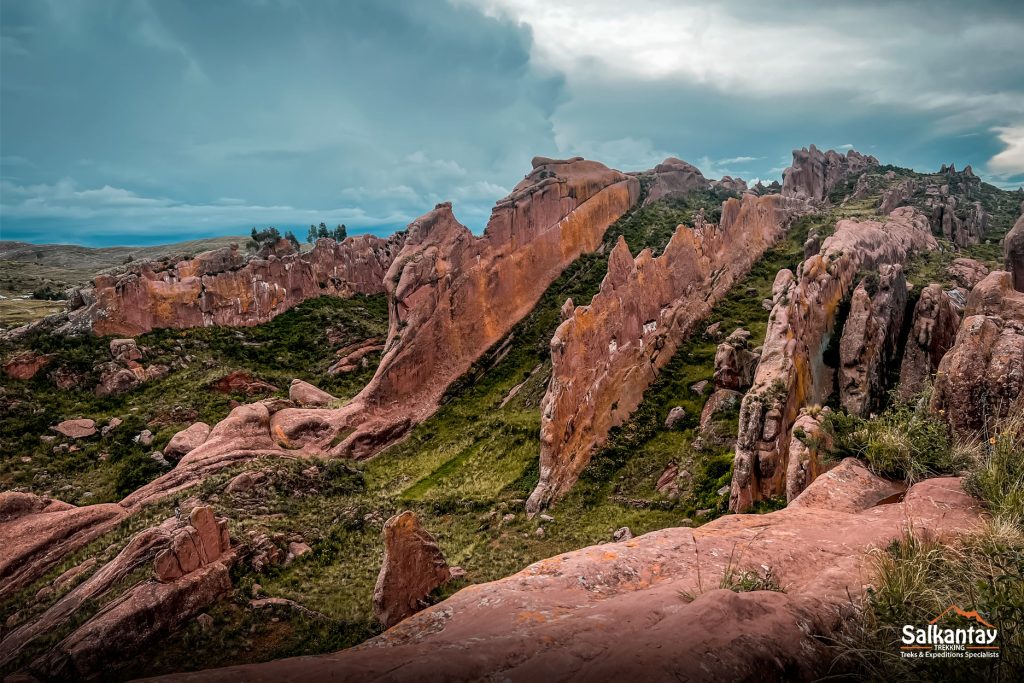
675 178
898 195
735 362
807 446
870 338
452 296
186 441
25 364
225 287
955 212
791 373
967 272
124 372
1013 248
814 174
308 396
413 568
614 612
932 332
981 378
609 352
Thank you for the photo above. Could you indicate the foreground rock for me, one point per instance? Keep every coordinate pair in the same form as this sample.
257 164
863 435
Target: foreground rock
621 612
791 373
225 287
981 378
413 568
814 174
606 354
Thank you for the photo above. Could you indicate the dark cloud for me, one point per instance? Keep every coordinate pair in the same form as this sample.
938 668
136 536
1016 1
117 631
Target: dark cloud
131 121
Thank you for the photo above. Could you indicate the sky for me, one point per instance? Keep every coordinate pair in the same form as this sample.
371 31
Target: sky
149 121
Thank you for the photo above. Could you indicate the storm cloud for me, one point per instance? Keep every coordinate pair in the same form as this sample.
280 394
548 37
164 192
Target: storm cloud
139 122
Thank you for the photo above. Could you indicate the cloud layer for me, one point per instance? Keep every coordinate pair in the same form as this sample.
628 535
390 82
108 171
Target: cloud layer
139 121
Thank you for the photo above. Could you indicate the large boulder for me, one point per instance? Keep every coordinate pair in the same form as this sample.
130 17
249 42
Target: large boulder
735 363
675 178
413 568
76 429
186 441
308 396
25 364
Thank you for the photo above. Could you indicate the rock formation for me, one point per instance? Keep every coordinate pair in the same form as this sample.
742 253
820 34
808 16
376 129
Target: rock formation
932 332
898 195
614 612
1013 248
814 174
25 364
186 441
981 378
609 352
225 287
955 214
413 567
735 363
870 338
808 443
306 395
124 372
675 178
791 373
452 296
967 272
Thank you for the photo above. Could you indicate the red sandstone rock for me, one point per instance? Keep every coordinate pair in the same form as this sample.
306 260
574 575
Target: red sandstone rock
932 333
814 174
967 272
848 487
1013 248
791 374
186 441
223 287
76 429
306 395
609 352
614 612
413 567
870 338
453 295
735 363
26 364
897 195
808 443
981 378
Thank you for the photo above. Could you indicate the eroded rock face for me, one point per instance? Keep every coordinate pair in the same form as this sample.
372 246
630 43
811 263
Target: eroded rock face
413 567
870 338
453 295
190 561
808 443
224 287
954 215
609 352
932 333
981 378
613 612
791 373
1013 248
735 362
897 195
814 174
967 271
676 178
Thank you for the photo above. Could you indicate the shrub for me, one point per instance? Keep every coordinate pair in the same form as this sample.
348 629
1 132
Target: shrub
998 475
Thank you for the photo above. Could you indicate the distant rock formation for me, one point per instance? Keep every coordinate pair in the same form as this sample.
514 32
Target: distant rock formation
955 213
413 567
651 608
791 373
814 174
607 353
870 338
452 296
932 332
225 287
675 178
981 378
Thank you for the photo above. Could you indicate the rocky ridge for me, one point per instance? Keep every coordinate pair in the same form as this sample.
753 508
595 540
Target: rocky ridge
607 353
791 373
